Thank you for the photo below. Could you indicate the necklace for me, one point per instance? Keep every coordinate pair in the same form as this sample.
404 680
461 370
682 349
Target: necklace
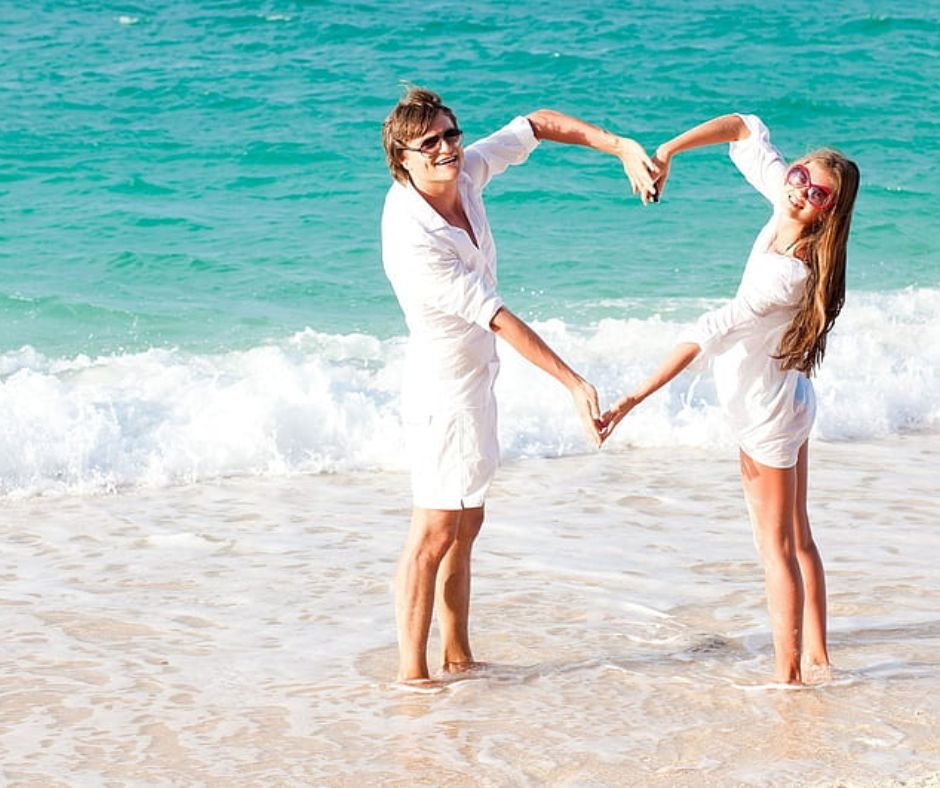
786 250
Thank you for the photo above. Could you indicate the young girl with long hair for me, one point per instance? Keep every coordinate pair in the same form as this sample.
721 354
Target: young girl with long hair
765 344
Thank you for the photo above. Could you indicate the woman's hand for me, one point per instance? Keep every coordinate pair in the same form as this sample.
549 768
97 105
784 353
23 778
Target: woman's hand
662 160
678 359
640 169
611 418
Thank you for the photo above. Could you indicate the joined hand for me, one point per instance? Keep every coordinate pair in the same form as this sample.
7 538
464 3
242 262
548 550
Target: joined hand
614 415
639 167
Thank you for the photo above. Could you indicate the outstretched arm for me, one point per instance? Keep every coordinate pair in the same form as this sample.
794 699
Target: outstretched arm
549 124
725 128
534 349
681 356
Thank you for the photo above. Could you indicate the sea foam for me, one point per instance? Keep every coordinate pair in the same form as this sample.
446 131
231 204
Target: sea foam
325 403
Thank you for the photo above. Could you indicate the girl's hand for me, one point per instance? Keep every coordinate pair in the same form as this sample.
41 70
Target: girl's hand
662 160
611 418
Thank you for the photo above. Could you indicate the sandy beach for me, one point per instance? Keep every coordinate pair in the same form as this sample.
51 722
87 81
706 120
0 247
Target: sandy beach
240 632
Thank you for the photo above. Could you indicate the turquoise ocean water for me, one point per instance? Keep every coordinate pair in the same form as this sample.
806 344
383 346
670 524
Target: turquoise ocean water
190 276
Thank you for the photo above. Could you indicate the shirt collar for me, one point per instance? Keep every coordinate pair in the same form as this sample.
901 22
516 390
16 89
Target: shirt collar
422 208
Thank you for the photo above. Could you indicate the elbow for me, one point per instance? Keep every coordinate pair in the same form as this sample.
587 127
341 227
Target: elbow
686 352
497 322
738 129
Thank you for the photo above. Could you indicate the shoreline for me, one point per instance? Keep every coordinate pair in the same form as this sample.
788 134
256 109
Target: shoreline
242 630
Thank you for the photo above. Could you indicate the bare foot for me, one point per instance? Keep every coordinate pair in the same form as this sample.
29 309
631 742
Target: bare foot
421 686
464 667
817 674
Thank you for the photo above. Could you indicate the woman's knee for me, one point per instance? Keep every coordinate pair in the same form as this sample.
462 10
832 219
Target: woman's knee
806 548
802 534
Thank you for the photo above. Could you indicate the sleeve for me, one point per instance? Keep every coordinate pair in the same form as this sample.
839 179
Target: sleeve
753 301
758 160
430 276
491 155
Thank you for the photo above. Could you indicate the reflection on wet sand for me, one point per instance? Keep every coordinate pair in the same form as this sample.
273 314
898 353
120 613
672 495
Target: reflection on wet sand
241 633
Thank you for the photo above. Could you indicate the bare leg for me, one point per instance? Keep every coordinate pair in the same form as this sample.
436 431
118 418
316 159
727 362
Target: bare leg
431 535
811 569
771 495
453 594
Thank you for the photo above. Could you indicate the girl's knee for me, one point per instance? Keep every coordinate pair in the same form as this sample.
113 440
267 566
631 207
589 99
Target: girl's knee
802 534
806 549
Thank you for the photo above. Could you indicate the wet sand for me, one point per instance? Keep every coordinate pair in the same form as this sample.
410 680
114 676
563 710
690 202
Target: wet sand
240 632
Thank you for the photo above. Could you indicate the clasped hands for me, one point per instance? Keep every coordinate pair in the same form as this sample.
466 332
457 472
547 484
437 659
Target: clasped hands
600 426
647 175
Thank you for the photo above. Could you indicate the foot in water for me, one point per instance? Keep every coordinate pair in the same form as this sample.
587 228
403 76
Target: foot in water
420 686
459 668
450 672
817 674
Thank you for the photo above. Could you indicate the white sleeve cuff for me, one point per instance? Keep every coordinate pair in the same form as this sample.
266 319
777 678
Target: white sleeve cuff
488 311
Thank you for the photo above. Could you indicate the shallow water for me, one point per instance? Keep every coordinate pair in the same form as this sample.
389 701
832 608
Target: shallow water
242 632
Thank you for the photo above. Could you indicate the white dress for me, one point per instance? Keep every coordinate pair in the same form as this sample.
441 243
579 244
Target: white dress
446 287
771 410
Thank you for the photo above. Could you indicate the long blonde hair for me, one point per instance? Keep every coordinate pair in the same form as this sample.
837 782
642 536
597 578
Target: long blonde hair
823 250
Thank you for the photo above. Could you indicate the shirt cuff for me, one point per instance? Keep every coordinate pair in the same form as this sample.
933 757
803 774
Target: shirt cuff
760 134
521 127
700 333
488 311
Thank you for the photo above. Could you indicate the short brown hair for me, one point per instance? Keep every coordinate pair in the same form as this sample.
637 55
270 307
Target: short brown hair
412 116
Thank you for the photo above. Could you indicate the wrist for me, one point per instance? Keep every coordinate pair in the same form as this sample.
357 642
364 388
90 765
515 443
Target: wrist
574 383
620 146
623 405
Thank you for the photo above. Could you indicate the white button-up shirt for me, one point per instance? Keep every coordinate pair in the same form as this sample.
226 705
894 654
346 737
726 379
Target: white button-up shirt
770 409
446 285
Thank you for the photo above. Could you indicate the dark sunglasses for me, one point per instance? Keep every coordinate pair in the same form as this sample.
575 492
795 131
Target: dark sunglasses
431 145
799 178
